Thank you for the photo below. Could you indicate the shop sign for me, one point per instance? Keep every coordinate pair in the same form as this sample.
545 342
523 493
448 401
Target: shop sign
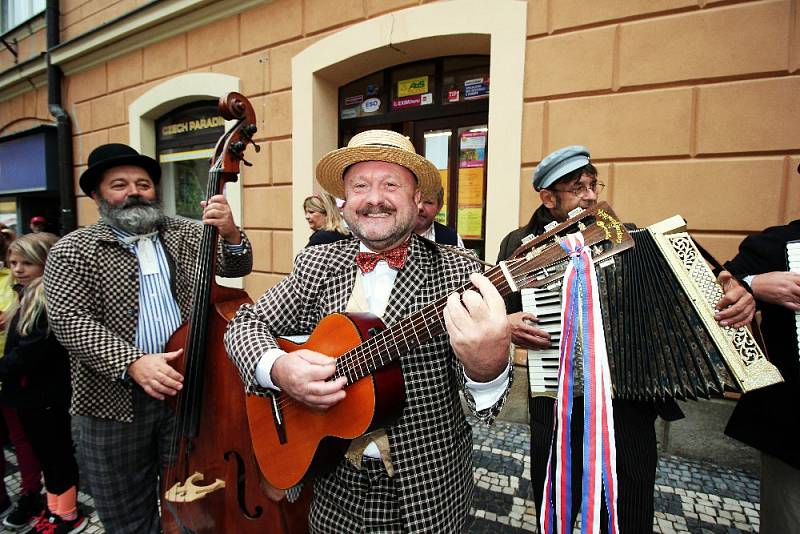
412 101
192 126
412 86
453 95
476 88
371 105
353 100
27 161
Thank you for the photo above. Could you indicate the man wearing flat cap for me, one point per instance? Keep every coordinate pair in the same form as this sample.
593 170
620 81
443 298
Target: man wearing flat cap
565 180
116 291
415 474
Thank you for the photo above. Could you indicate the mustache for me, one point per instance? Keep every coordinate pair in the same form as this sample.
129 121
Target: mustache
373 210
136 200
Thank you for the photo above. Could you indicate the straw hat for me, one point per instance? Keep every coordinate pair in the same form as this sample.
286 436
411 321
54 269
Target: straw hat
377 145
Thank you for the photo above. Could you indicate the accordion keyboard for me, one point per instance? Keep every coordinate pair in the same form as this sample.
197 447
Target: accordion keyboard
543 364
793 263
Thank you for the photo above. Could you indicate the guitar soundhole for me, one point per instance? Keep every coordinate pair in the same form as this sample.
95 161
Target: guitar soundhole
240 487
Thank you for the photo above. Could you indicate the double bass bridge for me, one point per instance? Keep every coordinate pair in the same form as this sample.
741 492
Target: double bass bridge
190 491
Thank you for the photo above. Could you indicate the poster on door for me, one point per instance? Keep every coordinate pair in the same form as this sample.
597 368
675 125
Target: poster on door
472 149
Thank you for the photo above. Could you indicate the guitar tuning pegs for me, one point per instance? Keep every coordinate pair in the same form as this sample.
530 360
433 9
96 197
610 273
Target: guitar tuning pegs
247 162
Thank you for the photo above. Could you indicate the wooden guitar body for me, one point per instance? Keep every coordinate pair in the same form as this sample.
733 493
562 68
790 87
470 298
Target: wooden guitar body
293 441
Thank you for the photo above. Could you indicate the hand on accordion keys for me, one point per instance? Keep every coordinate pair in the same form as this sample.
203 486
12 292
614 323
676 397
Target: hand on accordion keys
778 287
737 306
524 334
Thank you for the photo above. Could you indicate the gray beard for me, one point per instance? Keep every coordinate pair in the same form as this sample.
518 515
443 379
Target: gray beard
136 215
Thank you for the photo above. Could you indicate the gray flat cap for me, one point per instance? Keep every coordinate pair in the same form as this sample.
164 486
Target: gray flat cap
558 164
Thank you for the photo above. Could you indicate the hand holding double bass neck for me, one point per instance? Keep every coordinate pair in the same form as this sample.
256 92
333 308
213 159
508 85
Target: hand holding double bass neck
214 483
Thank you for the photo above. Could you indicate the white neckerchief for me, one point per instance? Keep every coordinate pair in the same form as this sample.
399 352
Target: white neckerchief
146 252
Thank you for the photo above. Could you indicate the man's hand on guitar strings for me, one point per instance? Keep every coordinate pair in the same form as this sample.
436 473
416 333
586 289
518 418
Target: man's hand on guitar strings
303 375
479 330
737 306
524 334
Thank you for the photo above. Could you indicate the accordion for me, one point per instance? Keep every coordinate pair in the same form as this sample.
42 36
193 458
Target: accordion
658 303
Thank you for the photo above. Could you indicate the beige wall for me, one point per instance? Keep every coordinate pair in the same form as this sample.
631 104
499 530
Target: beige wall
688 107
691 107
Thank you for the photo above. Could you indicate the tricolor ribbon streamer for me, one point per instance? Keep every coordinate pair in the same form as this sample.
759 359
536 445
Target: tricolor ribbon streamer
581 317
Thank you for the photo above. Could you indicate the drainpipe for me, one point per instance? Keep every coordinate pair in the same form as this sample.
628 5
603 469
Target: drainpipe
63 122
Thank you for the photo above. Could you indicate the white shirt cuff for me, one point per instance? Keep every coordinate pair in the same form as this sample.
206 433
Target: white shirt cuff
264 368
486 394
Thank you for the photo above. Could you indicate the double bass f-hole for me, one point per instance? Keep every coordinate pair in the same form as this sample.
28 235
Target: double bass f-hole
241 486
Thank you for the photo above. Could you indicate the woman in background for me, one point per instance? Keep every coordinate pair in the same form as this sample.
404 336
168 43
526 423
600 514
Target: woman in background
324 219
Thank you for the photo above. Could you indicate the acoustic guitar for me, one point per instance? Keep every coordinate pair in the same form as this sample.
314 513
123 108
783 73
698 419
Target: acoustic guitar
292 441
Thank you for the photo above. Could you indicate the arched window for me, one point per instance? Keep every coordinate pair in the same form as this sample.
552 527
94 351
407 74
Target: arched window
185 141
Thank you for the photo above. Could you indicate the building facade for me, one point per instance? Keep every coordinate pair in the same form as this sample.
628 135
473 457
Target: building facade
689 107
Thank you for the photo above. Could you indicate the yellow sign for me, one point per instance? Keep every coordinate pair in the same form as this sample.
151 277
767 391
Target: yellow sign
470 186
412 86
470 221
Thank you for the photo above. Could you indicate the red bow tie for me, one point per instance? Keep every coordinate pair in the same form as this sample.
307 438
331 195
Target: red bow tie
395 257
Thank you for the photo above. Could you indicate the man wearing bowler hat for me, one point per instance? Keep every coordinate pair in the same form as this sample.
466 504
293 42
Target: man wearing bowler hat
565 180
415 474
116 291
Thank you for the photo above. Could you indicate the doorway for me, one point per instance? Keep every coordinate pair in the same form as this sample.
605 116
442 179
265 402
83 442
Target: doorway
442 105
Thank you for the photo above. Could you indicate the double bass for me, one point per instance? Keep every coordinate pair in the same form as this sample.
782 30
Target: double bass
213 483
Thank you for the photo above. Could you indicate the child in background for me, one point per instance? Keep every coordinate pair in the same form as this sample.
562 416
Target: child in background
15 515
34 377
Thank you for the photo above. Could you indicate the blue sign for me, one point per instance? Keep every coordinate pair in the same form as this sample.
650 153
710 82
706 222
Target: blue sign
23 163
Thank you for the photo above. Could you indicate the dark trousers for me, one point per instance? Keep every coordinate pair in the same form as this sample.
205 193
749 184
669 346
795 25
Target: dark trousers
637 457
123 462
352 500
50 433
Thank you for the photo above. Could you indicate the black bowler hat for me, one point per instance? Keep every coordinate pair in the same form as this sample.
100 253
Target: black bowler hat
111 155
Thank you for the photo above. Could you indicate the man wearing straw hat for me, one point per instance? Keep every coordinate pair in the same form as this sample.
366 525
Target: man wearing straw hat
415 475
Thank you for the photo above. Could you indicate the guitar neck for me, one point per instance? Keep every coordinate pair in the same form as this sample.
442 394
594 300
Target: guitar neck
531 266
404 336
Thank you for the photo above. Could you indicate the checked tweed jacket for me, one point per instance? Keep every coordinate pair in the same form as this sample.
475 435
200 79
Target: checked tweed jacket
431 443
92 287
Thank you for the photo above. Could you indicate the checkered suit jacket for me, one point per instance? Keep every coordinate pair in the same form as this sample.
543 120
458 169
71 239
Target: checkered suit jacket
431 443
92 288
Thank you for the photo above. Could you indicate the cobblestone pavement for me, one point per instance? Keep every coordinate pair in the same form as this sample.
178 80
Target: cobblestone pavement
690 496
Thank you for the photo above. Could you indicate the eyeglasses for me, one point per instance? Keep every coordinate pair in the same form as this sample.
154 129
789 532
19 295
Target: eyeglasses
583 190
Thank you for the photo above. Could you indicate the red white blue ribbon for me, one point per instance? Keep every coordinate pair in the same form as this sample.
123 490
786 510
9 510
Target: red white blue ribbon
581 317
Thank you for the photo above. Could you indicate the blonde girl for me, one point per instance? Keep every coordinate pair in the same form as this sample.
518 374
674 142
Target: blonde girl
34 372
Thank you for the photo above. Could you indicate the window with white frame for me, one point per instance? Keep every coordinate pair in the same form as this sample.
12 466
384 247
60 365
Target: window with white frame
15 12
